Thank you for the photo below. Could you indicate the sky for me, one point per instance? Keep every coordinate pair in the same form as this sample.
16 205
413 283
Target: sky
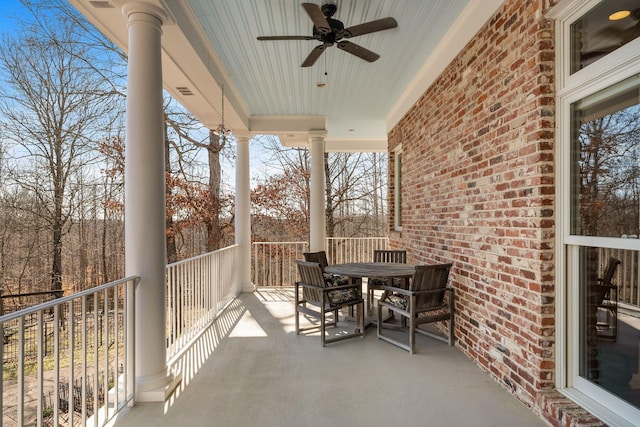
9 10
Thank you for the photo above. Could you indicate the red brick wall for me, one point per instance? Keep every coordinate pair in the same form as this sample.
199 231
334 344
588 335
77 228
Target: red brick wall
478 190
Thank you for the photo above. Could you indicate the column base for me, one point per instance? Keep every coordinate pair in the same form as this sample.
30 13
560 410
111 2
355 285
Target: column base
247 288
158 392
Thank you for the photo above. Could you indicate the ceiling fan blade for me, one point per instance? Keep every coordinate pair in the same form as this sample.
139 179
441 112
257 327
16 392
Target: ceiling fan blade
597 54
314 55
369 27
316 15
358 51
285 38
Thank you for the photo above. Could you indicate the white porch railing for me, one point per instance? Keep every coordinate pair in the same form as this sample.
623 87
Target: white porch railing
273 262
62 358
353 249
198 289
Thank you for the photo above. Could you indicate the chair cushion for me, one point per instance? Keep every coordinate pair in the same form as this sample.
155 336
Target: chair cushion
340 296
335 280
399 301
378 281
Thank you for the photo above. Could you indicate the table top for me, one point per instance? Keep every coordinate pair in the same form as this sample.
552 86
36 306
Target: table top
372 269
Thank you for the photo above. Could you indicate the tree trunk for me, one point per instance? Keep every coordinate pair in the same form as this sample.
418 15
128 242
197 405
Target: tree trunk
214 232
56 266
329 208
172 251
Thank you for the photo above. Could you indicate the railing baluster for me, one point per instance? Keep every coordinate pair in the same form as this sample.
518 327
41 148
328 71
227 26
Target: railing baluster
20 390
84 358
56 364
71 326
40 379
96 346
105 380
129 367
116 357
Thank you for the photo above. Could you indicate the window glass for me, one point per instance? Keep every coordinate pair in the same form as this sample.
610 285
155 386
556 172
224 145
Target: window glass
610 320
605 162
611 24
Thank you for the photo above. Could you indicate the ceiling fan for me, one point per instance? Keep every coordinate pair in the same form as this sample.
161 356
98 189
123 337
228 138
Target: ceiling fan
330 31
620 31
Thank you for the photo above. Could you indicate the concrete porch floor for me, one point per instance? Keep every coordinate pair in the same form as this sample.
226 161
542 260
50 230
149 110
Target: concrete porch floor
251 369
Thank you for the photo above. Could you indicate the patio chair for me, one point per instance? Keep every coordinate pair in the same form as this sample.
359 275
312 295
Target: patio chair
376 283
428 299
317 297
320 257
605 295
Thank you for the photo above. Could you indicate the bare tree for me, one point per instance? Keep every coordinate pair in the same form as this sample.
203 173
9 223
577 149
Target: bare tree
185 131
609 174
354 186
54 106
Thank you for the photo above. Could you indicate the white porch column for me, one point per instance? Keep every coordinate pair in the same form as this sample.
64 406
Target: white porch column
317 202
243 212
145 245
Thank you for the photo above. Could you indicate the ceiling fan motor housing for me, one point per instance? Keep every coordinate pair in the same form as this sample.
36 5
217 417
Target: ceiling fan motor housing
334 35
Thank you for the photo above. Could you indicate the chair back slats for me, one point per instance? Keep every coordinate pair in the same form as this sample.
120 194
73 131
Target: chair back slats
430 278
612 265
311 274
384 255
319 257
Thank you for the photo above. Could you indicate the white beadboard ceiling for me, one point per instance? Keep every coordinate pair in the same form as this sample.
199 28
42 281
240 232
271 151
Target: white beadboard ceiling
209 43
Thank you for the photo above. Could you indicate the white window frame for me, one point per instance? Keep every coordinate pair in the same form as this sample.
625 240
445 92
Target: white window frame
397 188
615 67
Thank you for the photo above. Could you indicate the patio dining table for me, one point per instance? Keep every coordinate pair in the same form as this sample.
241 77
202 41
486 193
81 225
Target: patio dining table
359 270
356 271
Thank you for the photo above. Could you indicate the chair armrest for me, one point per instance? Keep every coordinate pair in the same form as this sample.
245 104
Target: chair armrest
307 285
328 288
406 292
348 286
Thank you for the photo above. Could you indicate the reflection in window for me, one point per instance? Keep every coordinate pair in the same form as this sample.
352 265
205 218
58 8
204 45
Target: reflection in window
611 24
605 166
610 320
397 190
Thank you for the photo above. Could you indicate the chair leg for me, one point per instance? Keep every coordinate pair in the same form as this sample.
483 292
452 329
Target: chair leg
379 319
360 311
412 335
322 326
297 312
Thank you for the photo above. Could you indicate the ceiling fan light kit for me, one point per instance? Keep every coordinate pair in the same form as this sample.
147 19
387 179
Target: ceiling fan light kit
330 31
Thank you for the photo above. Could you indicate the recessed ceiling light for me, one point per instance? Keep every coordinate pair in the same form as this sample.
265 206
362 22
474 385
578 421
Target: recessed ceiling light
621 14
321 84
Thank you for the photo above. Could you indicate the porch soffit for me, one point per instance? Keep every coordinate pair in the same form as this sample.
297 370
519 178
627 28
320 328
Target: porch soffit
213 43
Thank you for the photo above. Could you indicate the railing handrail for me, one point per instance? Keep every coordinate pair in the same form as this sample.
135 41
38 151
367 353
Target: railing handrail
62 300
356 238
195 258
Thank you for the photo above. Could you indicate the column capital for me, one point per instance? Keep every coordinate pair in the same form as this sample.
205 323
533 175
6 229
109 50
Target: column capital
317 135
153 8
242 135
